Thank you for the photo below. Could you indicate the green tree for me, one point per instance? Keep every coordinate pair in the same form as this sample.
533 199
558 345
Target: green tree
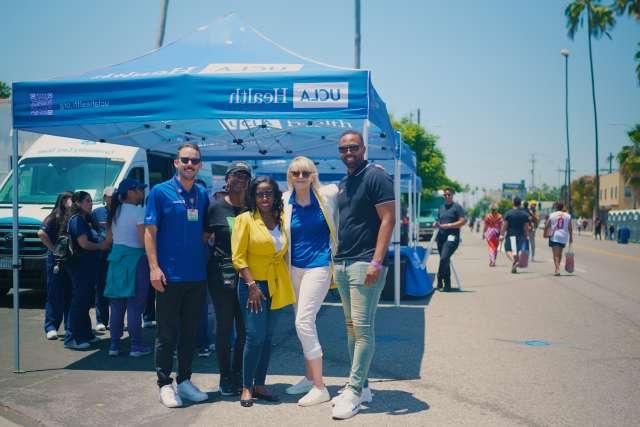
629 160
545 192
600 19
5 90
504 205
631 8
582 195
429 158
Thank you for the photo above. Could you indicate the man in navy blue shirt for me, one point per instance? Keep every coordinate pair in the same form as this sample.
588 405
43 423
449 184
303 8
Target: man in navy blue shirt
175 244
366 209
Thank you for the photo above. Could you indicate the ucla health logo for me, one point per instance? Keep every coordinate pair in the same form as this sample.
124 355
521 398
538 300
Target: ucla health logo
321 95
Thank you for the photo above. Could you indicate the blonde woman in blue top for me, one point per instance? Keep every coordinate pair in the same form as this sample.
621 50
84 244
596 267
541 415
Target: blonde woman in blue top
309 222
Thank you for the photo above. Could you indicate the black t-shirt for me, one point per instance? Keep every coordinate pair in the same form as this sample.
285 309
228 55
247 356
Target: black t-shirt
359 223
221 216
448 214
517 218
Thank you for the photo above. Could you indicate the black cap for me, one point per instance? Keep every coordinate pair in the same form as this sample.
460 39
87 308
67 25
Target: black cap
236 167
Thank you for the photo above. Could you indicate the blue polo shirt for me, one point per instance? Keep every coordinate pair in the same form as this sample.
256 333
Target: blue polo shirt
182 254
309 235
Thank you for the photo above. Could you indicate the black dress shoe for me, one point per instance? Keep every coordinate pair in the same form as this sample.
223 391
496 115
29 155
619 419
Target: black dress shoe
266 397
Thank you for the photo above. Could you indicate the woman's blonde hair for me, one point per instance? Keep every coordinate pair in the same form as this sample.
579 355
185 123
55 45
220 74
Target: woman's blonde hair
302 164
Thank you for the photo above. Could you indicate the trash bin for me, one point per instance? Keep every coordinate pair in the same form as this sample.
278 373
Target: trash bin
624 233
388 290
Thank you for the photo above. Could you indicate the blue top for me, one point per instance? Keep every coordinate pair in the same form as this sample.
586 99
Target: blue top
310 239
50 227
85 260
182 254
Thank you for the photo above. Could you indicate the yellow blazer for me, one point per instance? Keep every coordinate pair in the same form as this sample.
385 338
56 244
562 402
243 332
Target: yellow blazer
252 247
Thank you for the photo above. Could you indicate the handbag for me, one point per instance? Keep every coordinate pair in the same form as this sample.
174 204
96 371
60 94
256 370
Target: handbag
229 274
569 260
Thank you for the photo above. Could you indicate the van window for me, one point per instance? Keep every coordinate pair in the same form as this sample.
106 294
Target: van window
42 178
160 168
137 173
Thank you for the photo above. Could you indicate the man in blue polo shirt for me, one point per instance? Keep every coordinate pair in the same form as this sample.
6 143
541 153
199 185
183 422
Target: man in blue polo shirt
175 244
366 209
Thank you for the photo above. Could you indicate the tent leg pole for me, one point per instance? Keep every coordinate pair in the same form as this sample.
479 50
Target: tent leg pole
15 257
396 241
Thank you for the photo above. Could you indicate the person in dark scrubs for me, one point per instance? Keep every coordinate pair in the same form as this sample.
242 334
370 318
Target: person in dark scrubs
449 221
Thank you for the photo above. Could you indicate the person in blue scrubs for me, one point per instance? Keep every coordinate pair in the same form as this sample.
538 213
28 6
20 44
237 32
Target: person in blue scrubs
175 242
82 269
58 285
100 216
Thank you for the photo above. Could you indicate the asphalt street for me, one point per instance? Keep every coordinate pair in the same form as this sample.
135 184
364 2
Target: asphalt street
504 349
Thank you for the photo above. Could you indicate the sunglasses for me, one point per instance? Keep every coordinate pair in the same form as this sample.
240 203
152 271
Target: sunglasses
264 195
304 174
194 161
349 148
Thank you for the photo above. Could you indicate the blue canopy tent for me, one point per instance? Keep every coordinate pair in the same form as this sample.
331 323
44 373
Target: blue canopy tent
226 86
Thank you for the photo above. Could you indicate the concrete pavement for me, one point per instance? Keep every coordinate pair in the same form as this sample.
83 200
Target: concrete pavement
525 349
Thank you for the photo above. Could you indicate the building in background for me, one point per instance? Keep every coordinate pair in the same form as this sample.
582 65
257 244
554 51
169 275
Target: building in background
614 194
511 190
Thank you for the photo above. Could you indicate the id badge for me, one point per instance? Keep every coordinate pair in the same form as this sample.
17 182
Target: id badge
192 214
451 238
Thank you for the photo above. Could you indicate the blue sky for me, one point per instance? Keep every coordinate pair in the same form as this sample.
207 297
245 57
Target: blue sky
487 76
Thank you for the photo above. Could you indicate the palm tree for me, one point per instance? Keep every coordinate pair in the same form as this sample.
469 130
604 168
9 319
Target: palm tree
600 19
632 8
629 160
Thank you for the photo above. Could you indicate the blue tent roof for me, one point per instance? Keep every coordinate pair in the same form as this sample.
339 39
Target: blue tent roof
226 86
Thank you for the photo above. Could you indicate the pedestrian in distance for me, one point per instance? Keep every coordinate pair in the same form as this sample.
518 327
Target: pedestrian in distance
535 222
100 218
56 308
309 210
366 211
559 230
258 246
597 229
491 233
222 278
127 282
515 231
612 232
81 269
175 242
450 219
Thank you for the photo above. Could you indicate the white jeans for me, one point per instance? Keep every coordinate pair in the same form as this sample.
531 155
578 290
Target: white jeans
311 286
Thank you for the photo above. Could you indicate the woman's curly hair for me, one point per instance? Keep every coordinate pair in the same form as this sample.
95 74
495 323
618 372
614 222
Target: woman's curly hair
277 207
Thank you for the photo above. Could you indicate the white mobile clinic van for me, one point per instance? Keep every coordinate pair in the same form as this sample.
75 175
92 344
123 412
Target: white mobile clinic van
55 164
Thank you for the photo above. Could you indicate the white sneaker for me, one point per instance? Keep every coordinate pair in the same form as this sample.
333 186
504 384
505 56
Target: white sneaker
365 397
169 398
187 390
302 386
52 335
101 328
347 406
315 397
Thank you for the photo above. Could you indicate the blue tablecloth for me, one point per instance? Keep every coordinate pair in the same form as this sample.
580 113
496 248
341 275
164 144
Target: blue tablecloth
417 280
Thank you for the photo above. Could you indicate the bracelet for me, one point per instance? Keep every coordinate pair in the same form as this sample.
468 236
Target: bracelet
252 284
376 264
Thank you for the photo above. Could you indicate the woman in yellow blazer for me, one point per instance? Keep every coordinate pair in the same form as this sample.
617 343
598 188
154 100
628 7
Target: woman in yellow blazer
258 246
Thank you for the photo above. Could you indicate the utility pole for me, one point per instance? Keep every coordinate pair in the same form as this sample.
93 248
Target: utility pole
610 158
533 169
418 117
163 23
357 38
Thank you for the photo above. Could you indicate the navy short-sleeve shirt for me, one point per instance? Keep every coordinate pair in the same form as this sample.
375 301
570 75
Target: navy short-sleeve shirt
359 223
182 253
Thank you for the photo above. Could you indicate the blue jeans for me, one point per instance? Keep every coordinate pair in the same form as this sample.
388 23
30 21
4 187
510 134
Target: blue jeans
259 329
58 298
359 303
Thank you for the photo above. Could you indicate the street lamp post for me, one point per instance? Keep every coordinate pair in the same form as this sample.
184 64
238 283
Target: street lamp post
565 53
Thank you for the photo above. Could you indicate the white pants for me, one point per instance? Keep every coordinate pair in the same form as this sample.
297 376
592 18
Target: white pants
311 286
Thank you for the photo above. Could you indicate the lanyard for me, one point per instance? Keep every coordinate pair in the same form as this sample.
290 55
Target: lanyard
192 202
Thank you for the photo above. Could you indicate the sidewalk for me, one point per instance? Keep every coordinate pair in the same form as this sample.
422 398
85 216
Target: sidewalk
525 349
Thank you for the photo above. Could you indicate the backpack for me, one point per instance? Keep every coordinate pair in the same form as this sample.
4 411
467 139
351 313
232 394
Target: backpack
63 248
